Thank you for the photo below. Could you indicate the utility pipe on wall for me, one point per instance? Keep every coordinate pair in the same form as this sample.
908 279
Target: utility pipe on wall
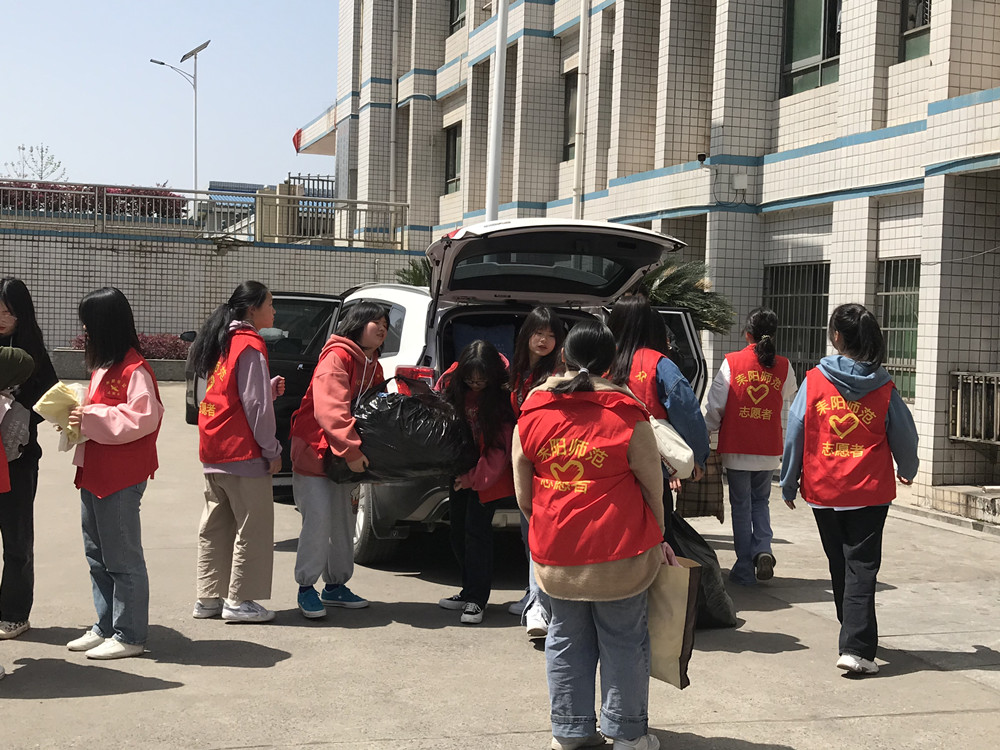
580 142
393 97
496 113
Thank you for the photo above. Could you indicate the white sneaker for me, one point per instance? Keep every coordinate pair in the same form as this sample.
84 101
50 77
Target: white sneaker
536 622
574 743
13 629
115 649
85 642
518 607
646 742
472 614
248 611
204 611
857 665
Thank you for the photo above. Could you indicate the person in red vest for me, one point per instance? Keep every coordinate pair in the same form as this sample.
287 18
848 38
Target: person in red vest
744 405
652 376
846 427
348 366
19 328
537 352
587 475
120 422
239 450
477 388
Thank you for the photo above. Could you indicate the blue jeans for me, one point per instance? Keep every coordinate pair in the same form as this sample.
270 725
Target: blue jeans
748 497
112 542
535 593
581 634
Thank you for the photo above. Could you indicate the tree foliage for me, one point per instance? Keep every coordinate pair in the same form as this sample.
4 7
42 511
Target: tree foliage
418 273
687 285
35 163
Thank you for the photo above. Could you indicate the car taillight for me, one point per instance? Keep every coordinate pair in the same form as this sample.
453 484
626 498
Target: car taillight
404 373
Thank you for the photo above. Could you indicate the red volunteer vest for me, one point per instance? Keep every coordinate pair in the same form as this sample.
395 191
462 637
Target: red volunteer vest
752 422
224 433
587 506
642 381
846 459
109 468
304 424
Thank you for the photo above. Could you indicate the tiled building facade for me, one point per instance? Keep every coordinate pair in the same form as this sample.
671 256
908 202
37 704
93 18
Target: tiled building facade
853 154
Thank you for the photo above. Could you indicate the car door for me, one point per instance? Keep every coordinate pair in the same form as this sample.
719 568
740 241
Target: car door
686 345
302 325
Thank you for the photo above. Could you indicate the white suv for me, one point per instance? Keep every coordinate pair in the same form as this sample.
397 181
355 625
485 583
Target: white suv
484 280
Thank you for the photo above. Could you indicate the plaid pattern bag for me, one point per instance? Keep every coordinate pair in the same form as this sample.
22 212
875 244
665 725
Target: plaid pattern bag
703 498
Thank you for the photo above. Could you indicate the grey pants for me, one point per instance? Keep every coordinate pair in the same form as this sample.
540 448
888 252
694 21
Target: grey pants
236 538
326 542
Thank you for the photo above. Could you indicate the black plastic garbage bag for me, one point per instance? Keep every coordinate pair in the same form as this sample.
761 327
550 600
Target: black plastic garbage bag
715 607
406 436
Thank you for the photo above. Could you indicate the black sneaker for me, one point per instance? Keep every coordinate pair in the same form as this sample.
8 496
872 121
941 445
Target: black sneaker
452 602
764 563
472 614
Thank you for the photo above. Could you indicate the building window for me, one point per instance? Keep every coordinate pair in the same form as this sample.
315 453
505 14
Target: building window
569 116
457 15
916 31
799 294
453 159
897 297
812 45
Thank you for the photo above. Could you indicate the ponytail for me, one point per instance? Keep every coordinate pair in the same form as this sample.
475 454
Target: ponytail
589 347
861 336
213 338
762 325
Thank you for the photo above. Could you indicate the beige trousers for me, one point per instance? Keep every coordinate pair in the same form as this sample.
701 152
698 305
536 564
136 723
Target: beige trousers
236 538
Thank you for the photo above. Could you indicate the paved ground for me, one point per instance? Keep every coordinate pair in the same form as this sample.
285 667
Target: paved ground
406 674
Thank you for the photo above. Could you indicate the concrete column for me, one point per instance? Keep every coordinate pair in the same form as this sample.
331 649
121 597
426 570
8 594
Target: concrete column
633 114
538 128
869 44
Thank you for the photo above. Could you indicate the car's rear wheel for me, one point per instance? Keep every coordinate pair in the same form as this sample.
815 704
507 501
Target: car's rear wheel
368 548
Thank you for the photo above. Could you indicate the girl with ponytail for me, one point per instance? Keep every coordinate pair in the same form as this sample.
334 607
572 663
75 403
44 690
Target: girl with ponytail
744 405
239 450
846 428
587 476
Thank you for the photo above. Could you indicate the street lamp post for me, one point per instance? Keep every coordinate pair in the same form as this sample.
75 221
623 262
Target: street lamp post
193 80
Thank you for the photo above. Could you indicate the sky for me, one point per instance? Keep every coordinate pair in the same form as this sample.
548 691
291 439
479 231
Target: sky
77 78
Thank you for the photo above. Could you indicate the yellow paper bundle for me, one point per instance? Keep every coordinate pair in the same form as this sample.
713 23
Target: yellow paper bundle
57 403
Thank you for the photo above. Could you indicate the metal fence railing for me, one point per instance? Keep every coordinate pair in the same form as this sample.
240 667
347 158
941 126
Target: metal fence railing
973 414
286 215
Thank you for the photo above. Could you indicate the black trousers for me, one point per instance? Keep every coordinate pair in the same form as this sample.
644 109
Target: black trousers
472 543
852 540
17 527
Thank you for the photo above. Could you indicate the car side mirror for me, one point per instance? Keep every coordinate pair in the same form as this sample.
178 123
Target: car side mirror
188 336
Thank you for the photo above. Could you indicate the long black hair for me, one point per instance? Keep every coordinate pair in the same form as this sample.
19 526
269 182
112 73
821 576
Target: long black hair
630 323
107 316
480 359
358 316
861 336
540 319
590 349
28 336
762 325
214 337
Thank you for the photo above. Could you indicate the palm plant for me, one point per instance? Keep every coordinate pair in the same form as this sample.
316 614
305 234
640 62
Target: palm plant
418 273
687 285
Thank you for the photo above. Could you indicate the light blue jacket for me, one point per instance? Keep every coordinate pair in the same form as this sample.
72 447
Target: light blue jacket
853 380
683 409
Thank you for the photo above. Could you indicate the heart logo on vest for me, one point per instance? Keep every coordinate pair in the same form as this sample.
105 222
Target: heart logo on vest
757 393
844 425
562 472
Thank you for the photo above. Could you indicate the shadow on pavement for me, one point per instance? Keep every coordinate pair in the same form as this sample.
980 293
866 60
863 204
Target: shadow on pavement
424 615
694 742
38 679
782 593
53 636
908 661
168 646
725 541
745 641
